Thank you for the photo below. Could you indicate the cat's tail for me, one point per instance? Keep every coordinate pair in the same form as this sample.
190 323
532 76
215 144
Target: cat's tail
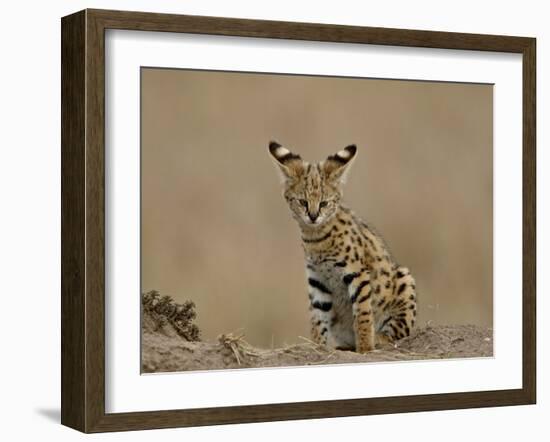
401 310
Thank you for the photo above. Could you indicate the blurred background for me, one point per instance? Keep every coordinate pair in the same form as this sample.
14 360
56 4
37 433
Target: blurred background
216 230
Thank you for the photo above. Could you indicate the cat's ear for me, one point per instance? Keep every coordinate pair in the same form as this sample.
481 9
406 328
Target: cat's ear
289 164
338 165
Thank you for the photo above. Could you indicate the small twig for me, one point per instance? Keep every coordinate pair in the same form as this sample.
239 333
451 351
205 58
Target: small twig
237 345
312 343
331 354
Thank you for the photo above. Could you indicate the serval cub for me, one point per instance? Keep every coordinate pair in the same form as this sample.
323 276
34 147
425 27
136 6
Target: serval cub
358 295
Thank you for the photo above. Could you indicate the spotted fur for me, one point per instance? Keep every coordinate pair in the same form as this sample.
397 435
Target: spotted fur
359 296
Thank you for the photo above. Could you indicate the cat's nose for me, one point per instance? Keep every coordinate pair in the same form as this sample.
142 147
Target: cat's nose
313 216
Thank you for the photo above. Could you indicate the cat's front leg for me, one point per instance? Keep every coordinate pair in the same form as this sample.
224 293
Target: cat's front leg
357 281
315 330
363 325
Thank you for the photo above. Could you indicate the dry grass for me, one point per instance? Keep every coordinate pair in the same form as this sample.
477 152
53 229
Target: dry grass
164 311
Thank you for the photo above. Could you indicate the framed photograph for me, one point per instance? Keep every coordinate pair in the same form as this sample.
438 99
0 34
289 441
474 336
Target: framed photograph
270 220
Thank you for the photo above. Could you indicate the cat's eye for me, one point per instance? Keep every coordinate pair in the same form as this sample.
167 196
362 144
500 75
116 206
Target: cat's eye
303 202
323 204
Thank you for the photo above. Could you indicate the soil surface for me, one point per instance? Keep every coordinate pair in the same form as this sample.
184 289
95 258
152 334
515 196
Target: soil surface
165 349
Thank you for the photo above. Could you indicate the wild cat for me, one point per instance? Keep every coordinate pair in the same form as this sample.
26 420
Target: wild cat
359 296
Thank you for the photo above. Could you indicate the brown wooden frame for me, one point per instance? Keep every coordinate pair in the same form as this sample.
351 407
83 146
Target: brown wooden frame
83 216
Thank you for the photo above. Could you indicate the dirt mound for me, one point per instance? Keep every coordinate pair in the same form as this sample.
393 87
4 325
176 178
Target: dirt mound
173 345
